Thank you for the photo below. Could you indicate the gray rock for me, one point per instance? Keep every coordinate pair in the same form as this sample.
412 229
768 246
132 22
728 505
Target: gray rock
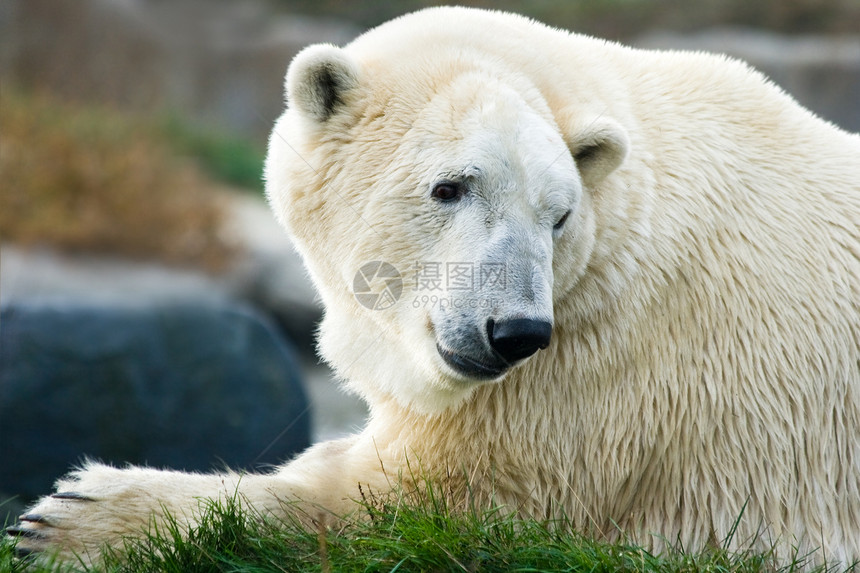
189 386
40 273
822 73
270 273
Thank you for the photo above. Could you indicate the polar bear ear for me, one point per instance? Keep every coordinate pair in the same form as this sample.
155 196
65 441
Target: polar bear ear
598 146
319 81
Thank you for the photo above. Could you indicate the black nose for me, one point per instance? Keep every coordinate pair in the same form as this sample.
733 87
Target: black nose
518 338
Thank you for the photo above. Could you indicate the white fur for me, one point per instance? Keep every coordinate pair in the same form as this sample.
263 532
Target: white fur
704 291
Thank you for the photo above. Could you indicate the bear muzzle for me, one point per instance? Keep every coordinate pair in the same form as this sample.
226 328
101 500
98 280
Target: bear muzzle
476 369
510 340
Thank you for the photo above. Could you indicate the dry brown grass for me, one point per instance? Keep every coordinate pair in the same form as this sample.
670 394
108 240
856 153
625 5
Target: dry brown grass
93 180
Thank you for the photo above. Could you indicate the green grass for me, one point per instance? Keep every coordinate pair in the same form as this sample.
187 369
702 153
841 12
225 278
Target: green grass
227 158
391 536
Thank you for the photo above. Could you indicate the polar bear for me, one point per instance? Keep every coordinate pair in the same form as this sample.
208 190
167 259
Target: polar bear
623 287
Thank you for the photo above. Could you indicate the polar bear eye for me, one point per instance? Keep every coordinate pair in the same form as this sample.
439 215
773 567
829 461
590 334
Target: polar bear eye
447 191
560 223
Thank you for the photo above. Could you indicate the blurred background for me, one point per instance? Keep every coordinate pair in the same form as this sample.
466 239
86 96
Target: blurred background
151 310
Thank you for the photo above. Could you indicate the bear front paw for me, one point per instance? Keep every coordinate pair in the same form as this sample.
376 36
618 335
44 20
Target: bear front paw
95 507
99 507
50 526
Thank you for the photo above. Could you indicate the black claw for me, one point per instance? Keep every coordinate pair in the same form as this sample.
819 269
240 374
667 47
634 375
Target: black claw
34 518
23 552
73 495
16 531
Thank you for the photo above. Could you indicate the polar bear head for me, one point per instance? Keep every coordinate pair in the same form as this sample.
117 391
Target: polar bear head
441 210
